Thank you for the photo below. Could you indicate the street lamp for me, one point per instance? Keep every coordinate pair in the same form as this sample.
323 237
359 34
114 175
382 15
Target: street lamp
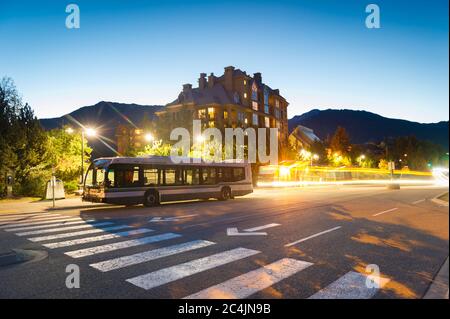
149 137
314 157
90 132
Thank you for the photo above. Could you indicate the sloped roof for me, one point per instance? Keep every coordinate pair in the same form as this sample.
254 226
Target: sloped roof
216 94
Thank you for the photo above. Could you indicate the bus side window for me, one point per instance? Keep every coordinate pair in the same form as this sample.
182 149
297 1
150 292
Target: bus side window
151 177
208 175
109 181
238 174
173 177
191 176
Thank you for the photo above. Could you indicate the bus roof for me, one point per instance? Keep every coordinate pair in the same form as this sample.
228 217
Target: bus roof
165 160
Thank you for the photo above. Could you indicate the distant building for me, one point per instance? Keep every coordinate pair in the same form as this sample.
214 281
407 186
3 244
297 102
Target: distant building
232 100
302 137
129 137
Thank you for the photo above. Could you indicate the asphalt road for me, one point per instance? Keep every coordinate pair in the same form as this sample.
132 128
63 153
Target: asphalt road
318 243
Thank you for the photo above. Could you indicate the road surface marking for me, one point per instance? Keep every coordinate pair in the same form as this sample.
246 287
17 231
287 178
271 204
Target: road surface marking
53 230
120 245
166 275
350 286
386 211
170 219
233 231
312 236
97 238
261 227
247 284
39 223
36 219
22 216
418 201
78 233
150 255
64 223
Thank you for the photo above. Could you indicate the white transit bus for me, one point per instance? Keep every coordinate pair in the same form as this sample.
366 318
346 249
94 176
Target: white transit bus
155 179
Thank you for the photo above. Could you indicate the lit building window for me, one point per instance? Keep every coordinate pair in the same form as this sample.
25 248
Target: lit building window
246 121
211 124
211 112
254 92
225 115
255 105
277 103
202 114
245 82
255 119
138 132
267 121
245 95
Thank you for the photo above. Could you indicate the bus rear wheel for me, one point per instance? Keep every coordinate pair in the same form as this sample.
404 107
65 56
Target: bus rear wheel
151 199
225 194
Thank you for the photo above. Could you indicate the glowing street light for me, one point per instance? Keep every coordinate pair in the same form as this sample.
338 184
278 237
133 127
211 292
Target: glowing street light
90 132
149 137
69 130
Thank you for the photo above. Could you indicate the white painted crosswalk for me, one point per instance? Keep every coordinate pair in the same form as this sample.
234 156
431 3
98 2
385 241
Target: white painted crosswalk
53 224
86 240
166 275
77 233
120 245
23 216
32 220
150 255
59 229
247 284
352 285
108 244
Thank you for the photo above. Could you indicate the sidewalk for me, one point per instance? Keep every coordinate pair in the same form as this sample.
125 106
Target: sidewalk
439 286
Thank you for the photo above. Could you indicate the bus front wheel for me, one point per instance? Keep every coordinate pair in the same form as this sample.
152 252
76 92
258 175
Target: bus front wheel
225 193
151 199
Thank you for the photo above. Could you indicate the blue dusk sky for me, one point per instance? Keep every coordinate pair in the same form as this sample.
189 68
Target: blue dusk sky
319 53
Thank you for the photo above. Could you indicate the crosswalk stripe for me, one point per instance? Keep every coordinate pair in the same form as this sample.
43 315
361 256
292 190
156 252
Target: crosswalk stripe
352 285
166 275
253 281
120 245
64 223
77 233
18 216
33 219
6 227
53 230
97 238
149 255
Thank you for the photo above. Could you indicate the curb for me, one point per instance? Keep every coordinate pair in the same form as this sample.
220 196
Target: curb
439 286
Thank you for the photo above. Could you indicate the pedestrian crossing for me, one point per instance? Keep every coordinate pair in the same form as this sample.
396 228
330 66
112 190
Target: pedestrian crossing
105 246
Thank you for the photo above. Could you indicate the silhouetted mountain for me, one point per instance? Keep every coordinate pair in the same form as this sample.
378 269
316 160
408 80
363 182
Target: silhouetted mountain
365 127
105 116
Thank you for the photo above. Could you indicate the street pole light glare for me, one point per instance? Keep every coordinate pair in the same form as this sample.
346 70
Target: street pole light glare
69 130
149 137
90 132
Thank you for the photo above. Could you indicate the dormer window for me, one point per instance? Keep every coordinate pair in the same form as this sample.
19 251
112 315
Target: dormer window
254 92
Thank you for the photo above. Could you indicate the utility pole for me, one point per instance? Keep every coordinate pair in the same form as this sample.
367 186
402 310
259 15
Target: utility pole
82 157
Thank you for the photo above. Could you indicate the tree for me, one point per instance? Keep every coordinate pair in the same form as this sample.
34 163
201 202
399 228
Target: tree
23 143
340 142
